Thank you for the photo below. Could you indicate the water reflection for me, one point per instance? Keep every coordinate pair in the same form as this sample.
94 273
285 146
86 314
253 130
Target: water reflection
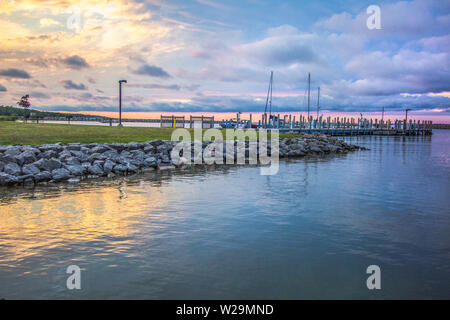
227 232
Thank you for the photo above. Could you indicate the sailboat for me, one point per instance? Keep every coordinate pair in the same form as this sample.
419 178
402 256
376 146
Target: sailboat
267 121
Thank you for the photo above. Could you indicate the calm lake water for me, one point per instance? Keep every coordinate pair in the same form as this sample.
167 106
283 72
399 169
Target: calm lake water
229 233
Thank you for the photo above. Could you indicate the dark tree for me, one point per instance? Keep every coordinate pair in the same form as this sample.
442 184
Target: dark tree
25 103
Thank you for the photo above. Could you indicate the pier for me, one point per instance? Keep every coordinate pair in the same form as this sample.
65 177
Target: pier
337 126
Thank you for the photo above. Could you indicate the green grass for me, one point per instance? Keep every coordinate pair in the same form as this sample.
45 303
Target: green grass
8 118
35 134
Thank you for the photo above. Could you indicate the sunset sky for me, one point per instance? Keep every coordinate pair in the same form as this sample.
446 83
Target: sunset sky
216 56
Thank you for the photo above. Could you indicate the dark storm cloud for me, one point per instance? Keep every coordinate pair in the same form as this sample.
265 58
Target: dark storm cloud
69 84
15 73
39 95
156 86
75 62
152 71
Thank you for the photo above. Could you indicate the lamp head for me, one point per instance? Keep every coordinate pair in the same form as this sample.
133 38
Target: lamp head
122 81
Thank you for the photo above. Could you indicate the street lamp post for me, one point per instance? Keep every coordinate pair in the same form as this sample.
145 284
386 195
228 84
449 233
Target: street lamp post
120 101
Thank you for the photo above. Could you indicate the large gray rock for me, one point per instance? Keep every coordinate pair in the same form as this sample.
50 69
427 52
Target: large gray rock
132 168
137 155
156 143
7 179
125 154
162 148
26 157
110 154
134 146
96 170
26 178
63 156
7 158
30 169
149 149
95 156
48 154
315 148
120 168
72 161
165 159
100 149
108 166
2 165
74 146
86 166
12 168
36 151
50 147
43 176
13 151
76 169
150 162
117 146
48 164
76 153
60 174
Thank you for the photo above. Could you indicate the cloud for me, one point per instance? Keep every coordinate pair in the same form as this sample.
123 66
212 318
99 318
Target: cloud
155 86
15 73
201 54
406 71
3 88
46 22
12 29
39 95
284 45
402 18
152 71
75 62
210 3
69 84
436 44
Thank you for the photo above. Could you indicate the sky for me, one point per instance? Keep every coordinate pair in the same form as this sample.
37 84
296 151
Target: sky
216 56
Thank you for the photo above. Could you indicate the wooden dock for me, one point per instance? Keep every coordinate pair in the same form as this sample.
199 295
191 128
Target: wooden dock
338 126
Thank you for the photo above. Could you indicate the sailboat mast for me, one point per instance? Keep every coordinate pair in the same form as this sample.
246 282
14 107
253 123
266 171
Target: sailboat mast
271 88
269 98
318 99
309 92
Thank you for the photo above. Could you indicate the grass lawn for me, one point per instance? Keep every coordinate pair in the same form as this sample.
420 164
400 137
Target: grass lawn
34 134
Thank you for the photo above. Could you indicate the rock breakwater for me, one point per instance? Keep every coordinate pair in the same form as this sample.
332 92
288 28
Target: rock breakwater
74 162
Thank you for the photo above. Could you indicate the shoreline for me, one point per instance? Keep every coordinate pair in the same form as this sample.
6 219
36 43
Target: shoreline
74 162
